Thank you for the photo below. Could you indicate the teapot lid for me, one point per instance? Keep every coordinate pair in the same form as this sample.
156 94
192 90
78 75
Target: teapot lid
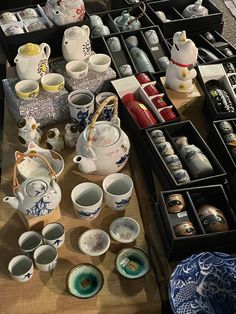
29 50
105 134
73 32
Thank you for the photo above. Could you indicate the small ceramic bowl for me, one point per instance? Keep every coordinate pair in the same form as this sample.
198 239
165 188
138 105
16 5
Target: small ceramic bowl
99 62
124 229
77 69
132 263
84 281
94 242
52 82
27 89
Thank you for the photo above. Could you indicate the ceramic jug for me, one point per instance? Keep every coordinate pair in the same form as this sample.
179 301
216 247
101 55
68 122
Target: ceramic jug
32 61
76 43
35 196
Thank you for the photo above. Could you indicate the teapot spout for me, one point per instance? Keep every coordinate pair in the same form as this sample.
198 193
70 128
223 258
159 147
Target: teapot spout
13 201
86 165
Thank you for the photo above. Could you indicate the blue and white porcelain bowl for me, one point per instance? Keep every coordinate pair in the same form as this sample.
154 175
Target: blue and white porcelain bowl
204 283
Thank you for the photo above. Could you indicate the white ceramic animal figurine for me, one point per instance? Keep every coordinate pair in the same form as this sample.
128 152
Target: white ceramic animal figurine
28 131
54 140
180 72
71 134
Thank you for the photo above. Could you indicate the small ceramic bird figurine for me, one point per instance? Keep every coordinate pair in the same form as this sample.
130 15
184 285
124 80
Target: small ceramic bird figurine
29 131
54 140
71 134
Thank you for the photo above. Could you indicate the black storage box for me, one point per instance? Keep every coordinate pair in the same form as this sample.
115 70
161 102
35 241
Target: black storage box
179 247
163 173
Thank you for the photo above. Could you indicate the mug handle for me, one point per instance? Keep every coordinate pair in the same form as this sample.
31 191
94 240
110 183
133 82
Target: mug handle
46 49
86 29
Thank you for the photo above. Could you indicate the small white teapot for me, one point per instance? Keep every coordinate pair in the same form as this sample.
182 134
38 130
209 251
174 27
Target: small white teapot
102 148
76 43
36 196
32 61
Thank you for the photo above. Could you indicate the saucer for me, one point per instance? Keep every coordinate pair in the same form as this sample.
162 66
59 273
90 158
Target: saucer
132 263
94 242
35 167
124 229
84 281
204 283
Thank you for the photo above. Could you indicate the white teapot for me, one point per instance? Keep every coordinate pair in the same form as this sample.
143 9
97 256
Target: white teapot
35 196
32 61
102 148
76 43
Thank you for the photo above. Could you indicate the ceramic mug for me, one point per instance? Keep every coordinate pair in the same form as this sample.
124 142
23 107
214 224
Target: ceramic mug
81 105
108 110
14 30
87 200
29 241
45 257
114 44
8 17
21 268
54 234
117 189
125 70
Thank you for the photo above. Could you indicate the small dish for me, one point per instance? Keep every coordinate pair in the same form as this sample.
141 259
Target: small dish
34 167
94 242
124 229
132 263
52 82
99 62
27 89
77 69
84 281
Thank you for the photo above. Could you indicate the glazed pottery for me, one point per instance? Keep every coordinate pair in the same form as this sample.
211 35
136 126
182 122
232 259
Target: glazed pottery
52 82
84 281
45 257
184 229
8 17
196 9
53 234
14 30
175 203
108 111
125 70
173 162
114 44
28 131
94 242
132 41
32 61
124 230
55 140
71 134
181 176
27 89
225 127
29 241
100 31
204 283
162 16
104 149
126 22
99 62
28 13
21 268
165 149
36 26
157 136
141 60
77 69
132 263
76 43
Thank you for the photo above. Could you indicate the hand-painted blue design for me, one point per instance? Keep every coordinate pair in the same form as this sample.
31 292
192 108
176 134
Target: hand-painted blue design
122 202
83 118
27 275
204 283
122 160
89 214
107 113
52 265
39 208
57 242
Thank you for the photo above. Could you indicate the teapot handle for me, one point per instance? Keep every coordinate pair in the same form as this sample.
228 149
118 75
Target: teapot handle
46 49
97 113
140 5
20 159
86 29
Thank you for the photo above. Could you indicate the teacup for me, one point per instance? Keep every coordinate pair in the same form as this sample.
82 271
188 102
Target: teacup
175 203
173 162
108 110
125 70
29 241
52 82
14 30
87 200
181 176
114 44
8 17
45 257
29 13
36 26
151 90
158 136
117 189
21 268
54 234
165 149
27 89
100 31
99 62
77 69
184 229
151 37
143 78
167 114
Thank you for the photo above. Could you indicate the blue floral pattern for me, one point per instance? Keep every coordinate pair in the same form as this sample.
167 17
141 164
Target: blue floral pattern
84 118
122 160
92 214
122 202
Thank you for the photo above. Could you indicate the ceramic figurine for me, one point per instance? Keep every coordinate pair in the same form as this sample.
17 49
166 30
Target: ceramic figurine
28 131
76 43
184 229
126 22
65 11
71 134
196 9
198 163
212 219
35 196
180 72
32 61
54 140
102 148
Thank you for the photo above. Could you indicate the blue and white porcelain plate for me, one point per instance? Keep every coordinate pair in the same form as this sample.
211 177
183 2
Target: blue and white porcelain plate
204 283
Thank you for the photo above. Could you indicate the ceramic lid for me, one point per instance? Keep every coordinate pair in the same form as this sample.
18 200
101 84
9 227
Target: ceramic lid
73 32
105 134
29 50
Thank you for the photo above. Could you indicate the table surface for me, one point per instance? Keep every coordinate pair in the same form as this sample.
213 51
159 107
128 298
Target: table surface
46 291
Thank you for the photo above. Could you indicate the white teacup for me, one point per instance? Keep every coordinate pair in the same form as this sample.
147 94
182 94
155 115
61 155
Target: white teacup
29 13
8 17
14 30
54 234
29 241
21 268
87 200
45 257
77 69
117 189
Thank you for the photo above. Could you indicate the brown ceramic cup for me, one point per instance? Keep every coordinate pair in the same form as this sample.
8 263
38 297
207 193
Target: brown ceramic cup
184 229
175 203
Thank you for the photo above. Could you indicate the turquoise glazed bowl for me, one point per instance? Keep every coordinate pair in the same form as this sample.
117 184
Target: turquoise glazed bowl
84 281
132 263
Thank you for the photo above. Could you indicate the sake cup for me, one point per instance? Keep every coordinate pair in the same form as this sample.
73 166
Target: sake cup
52 82
29 241
53 234
45 257
99 62
21 268
77 69
27 89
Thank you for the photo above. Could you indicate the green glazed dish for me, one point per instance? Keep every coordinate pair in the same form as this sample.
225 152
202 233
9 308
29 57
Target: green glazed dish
84 281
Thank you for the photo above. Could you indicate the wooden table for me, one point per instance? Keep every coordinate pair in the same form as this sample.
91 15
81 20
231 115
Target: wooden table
46 291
